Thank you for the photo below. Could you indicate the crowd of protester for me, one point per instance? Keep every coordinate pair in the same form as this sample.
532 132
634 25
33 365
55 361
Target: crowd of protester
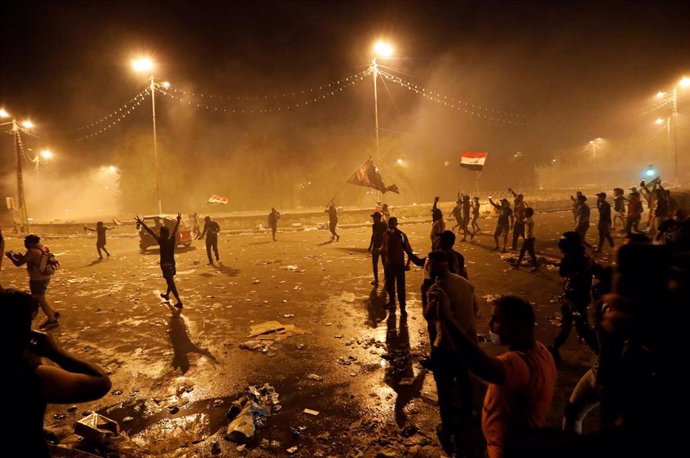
624 307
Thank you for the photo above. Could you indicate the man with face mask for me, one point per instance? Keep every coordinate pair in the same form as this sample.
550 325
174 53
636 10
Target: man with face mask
521 380
450 372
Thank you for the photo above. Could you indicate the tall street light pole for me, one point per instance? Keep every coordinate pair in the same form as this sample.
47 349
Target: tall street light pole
145 65
21 198
684 82
383 50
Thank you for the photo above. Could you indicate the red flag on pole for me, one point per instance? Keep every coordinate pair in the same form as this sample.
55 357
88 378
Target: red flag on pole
472 160
368 175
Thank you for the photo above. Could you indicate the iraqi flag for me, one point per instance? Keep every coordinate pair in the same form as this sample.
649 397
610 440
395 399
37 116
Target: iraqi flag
218 200
368 175
472 160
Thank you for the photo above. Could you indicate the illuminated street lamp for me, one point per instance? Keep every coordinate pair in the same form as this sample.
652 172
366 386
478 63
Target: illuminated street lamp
145 65
46 154
382 50
683 82
21 198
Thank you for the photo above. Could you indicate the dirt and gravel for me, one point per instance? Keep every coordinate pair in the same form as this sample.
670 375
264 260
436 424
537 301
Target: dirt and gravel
339 353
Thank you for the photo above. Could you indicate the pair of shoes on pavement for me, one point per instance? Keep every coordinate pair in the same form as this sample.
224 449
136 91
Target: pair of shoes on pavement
50 324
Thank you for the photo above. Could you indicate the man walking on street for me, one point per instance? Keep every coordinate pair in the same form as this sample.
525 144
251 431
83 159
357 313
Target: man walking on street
504 222
333 221
211 230
273 218
604 224
100 237
529 239
378 230
37 259
166 242
393 250
582 213
519 207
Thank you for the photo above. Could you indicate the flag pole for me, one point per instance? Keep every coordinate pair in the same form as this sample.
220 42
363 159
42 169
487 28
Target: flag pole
347 181
479 172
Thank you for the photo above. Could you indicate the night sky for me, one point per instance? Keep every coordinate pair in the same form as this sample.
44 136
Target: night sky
581 69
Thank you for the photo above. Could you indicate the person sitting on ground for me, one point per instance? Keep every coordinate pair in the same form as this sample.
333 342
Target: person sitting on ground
32 385
521 381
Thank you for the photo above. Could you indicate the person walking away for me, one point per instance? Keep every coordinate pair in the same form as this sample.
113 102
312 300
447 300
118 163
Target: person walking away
634 213
273 218
41 265
456 213
582 213
504 222
528 242
30 384
604 224
100 237
438 225
619 208
211 230
519 207
475 217
521 381
576 203
661 211
576 271
378 229
167 242
450 372
393 250
333 221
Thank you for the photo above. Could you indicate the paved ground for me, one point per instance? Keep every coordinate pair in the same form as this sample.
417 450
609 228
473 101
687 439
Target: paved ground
160 360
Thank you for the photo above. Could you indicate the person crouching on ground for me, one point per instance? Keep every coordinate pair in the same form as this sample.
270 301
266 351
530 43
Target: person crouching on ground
31 385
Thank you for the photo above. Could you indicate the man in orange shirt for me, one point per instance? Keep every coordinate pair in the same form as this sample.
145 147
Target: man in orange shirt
521 381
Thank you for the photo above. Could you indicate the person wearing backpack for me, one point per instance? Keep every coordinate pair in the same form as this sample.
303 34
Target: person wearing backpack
41 265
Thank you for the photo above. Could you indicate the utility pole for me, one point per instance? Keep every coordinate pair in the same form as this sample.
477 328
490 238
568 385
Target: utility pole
155 146
23 214
675 131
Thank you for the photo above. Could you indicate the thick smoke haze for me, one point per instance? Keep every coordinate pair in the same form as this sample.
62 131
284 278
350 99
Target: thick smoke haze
569 72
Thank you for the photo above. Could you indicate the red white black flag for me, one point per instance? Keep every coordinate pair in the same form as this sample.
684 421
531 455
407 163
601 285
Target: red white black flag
368 175
472 160
218 200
